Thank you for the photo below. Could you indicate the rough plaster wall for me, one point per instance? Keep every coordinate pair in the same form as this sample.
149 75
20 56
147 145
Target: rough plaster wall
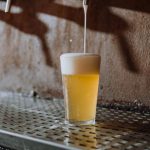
35 33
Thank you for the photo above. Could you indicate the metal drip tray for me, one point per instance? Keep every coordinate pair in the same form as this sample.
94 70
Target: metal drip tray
38 124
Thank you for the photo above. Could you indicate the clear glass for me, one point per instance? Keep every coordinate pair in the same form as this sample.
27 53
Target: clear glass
80 95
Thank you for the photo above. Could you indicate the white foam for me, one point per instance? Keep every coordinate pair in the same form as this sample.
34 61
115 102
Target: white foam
80 63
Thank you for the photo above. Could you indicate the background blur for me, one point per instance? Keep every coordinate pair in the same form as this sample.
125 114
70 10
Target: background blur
35 33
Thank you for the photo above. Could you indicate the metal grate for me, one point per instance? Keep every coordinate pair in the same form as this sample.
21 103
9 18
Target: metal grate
4 148
115 129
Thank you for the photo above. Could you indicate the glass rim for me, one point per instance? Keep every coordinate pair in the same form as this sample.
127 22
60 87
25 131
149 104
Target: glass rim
79 54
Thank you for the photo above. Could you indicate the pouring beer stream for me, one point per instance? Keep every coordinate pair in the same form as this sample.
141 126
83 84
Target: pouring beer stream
85 7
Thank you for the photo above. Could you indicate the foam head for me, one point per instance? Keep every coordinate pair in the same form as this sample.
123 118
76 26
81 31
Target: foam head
80 63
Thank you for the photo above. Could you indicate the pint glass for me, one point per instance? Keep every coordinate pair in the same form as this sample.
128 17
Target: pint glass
80 75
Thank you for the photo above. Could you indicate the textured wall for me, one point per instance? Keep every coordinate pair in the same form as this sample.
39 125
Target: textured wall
35 33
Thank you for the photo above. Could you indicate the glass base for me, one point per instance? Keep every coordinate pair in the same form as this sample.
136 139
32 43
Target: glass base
79 123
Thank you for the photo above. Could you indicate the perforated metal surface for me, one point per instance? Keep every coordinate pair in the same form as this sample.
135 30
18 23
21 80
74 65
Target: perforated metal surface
115 129
4 148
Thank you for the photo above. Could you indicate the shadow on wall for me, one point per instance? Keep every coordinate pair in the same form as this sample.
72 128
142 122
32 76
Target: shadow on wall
101 19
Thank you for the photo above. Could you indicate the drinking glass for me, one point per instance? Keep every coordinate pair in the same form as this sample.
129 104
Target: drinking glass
80 76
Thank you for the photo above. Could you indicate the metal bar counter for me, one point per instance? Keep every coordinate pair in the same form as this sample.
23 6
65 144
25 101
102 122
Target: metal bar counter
38 124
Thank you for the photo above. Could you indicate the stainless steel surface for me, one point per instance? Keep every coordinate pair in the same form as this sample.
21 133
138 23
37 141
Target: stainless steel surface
4 148
85 2
8 3
42 121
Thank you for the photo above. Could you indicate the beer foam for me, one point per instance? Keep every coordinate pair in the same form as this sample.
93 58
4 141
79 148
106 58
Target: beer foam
80 63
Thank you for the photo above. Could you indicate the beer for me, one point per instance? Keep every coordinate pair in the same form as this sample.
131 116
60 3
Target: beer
81 96
80 74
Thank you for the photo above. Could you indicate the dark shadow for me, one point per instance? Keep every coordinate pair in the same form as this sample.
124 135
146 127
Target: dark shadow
31 25
100 19
127 54
135 5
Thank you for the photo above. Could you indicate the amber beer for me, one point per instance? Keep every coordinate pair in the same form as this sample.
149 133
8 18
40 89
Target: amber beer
80 74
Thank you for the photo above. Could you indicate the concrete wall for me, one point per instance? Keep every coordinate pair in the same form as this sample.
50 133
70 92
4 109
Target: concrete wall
35 33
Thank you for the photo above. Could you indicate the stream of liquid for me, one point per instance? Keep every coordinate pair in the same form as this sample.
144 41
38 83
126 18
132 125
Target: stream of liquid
85 7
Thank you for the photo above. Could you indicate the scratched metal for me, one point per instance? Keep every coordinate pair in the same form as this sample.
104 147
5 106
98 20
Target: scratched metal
115 129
